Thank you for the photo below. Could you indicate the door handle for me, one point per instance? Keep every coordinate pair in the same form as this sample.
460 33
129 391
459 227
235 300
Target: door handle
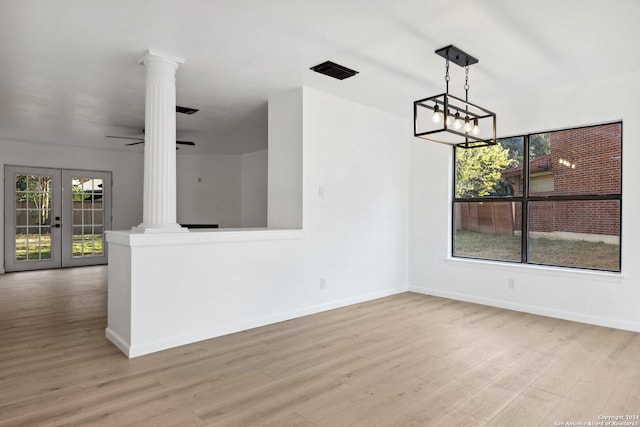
56 225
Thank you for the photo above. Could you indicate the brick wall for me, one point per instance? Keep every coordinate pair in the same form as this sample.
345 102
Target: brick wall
584 161
595 152
588 217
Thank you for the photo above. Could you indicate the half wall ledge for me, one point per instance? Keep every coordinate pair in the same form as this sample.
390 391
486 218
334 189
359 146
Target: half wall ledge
219 235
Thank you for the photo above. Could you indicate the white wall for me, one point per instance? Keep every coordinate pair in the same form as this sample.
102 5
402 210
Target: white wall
228 190
355 192
216 199
284 209
199 285
253 189
126 168
604 299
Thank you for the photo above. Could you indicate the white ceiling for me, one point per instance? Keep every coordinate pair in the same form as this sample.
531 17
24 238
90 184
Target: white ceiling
69 71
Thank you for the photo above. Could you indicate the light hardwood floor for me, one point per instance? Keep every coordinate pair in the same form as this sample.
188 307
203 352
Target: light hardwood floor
406 360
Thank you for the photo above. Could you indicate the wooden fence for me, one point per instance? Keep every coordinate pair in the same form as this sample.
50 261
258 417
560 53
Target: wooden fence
488 218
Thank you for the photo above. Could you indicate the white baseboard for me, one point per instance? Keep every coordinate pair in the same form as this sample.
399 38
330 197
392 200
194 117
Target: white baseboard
118 341
542 311
140 349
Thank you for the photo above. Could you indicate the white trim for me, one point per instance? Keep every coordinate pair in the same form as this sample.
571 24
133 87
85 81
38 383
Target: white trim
118 341
538 310
147 348
133 239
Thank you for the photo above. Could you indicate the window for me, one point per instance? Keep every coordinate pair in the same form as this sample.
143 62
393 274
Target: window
552 198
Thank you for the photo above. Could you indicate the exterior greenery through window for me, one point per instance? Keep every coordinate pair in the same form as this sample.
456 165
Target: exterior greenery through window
563 188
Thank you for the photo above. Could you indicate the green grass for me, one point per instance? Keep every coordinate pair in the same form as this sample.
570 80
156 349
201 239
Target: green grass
42 250
566 253
87 247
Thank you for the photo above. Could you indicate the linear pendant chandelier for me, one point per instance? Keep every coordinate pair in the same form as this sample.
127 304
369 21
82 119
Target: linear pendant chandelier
447 119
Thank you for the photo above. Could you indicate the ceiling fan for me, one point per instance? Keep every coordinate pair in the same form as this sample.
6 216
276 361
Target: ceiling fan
179 109
141 140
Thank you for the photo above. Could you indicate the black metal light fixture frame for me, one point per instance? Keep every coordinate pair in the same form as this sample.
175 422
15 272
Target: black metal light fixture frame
451 108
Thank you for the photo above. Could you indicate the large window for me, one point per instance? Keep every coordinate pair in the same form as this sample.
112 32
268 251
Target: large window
552 198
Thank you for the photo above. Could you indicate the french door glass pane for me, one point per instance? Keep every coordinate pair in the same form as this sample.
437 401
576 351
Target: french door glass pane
21 217
33 217
98 239
44 241
88 238
33 243
21 243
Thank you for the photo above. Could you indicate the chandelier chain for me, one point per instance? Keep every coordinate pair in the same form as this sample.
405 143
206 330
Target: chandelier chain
446 75
466 78
466 85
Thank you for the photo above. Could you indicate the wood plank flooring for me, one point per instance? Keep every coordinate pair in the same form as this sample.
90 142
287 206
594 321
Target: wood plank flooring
406 360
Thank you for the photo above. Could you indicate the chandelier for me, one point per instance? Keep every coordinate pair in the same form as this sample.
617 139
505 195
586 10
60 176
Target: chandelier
447 119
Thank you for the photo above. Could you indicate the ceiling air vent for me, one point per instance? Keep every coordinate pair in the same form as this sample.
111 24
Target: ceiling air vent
334 70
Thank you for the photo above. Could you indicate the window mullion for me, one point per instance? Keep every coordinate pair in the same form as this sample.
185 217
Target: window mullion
524 227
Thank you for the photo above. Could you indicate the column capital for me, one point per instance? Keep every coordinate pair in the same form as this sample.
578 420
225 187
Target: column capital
152 54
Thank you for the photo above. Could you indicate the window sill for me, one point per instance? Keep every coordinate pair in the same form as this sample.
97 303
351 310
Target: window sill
568 272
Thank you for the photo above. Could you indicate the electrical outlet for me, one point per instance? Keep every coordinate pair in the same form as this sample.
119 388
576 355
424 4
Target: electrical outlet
323 284
511 283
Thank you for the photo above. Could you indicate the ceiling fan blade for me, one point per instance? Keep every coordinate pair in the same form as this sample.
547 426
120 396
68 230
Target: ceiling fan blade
141 140
186 110
123 137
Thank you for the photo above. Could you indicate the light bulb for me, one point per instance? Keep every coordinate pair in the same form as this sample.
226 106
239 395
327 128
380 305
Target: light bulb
457 123
449 119
467 125
437 115
476 128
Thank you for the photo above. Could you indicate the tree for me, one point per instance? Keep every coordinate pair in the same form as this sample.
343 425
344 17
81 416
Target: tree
478 171
33 192
539 145
515 145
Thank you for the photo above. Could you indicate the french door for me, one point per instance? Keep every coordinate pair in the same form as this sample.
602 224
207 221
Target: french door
55 217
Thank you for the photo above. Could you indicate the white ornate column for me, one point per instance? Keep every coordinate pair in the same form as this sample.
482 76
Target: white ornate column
159 210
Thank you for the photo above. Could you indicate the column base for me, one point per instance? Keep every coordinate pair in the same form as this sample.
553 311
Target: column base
159 228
